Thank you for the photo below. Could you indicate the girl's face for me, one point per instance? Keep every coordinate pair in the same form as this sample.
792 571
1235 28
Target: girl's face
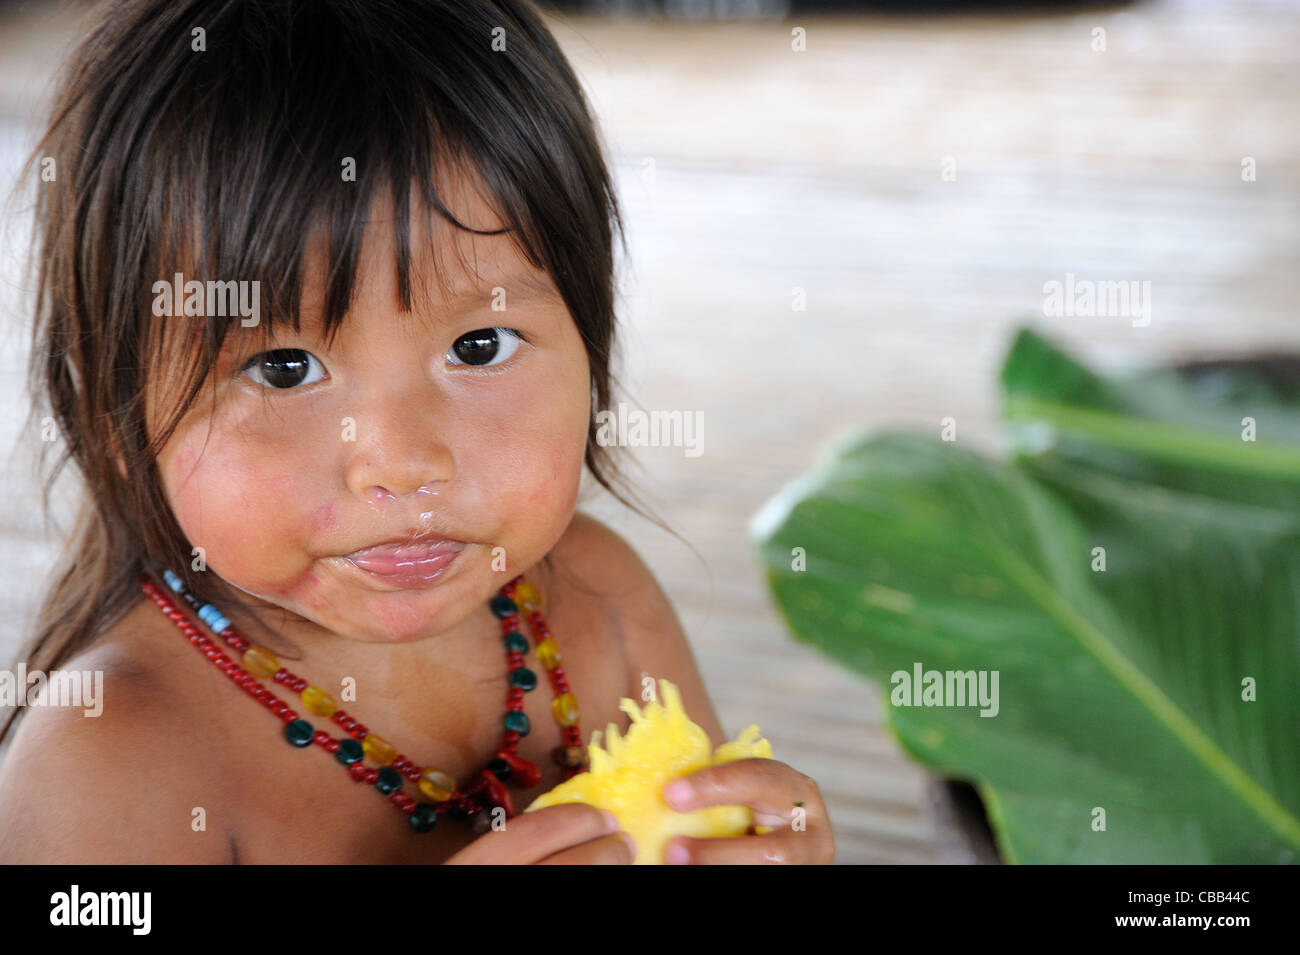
405 424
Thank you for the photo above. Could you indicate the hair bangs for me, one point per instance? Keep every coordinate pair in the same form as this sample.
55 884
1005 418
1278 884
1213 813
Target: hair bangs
249 195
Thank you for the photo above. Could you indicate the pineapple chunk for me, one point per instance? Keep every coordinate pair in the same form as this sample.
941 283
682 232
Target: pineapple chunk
628 775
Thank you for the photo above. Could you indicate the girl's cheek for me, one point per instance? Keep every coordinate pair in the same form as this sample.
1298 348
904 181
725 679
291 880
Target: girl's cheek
233 494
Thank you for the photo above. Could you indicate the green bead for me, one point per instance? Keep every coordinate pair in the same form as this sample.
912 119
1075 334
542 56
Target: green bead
517 721
299 733
389 780
516 642
503 606
523 678
424 817
349 752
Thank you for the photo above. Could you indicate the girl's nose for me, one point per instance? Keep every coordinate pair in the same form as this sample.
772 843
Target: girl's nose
401 443
392 466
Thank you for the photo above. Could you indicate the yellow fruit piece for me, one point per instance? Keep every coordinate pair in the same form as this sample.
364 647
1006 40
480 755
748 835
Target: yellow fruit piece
628 774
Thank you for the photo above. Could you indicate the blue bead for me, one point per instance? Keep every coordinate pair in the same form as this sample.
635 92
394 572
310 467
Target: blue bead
349 752
517 721
503 606
523 678
299 733
173 581
516 642
424 817
389 780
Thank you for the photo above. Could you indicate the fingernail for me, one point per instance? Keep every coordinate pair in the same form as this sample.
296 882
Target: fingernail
676 854
677 792
611 821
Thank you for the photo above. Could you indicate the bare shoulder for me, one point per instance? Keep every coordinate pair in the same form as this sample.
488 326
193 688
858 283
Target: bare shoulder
595 559
106 776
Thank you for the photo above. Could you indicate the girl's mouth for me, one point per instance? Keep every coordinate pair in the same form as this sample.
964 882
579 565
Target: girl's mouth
407 564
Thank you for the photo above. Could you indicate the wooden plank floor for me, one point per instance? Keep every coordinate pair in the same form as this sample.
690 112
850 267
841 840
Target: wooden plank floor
821 170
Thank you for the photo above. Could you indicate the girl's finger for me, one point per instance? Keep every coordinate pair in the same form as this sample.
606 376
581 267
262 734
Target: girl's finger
771 788
531 836
611 850
776 848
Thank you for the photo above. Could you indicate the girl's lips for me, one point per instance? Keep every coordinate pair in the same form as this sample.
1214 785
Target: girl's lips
409 565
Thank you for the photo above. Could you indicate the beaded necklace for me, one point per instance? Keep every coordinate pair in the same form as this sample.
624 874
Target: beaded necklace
486 792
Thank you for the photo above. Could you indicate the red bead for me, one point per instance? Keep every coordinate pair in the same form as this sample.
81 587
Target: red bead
359 731
512 736
522 772
320 737
357 771
332 746
496 792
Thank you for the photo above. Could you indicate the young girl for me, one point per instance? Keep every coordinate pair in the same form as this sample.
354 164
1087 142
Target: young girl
325 315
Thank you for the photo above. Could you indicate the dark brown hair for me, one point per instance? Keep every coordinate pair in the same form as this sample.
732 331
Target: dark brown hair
207 137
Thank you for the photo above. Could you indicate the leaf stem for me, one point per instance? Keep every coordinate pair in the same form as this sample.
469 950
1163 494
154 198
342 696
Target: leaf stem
1161 439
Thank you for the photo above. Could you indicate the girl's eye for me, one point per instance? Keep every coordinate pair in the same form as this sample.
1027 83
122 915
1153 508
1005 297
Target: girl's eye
487 346
282 368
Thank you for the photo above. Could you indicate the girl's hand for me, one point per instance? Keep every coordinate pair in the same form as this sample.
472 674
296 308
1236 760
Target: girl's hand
780 797
569 834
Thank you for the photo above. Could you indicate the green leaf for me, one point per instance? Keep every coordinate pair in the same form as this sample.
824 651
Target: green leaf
1118 690
1153 428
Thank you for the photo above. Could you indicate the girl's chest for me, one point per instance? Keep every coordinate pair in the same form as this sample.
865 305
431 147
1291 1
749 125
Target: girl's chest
291 805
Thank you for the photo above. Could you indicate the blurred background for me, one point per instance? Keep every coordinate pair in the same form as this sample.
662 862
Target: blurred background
913 176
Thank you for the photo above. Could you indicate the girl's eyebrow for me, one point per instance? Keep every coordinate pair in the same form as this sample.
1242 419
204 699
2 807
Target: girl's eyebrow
519 287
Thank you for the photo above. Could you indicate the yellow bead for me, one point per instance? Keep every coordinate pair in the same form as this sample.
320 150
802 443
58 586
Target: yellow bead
437 785
261 663
565 708
318 701
380 751
548 654
529 597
